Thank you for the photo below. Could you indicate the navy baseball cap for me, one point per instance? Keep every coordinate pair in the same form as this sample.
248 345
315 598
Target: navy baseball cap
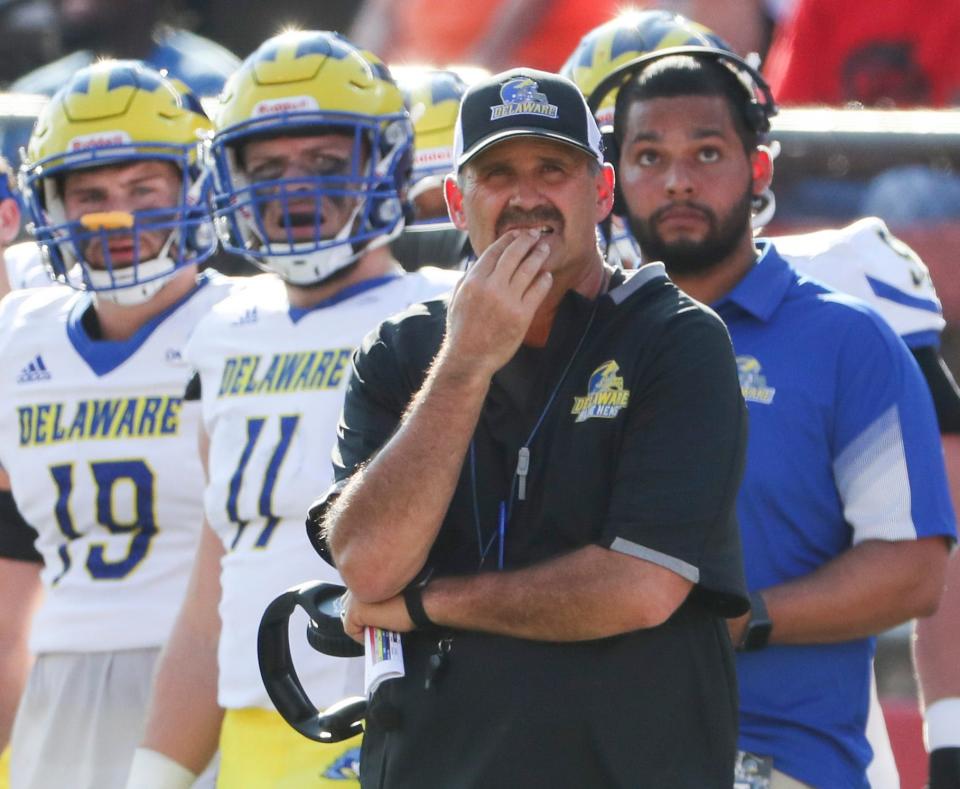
524 102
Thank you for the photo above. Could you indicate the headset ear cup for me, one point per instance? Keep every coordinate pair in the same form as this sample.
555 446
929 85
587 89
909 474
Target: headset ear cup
611 154
757 118
761 109
404 173
619 202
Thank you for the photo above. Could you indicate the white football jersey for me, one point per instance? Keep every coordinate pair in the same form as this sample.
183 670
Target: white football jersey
25 268
622 251
867 261
103 462
272 382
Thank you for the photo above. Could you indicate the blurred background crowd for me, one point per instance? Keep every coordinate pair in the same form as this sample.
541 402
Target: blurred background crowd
834 53
820 55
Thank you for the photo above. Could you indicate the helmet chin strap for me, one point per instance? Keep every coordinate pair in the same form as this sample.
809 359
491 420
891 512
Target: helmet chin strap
765 206
121 286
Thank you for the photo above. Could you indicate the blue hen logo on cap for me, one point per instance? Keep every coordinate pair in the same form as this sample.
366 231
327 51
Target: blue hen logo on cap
521 96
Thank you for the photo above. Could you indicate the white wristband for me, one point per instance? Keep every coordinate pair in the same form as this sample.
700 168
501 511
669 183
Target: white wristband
941 727
152 770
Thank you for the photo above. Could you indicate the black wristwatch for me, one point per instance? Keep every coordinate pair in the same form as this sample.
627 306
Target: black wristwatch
413 599
757 633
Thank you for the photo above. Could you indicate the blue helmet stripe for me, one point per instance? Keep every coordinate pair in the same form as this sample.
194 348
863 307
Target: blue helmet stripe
586 51
446 87
326 44
80 84
322 45
628 40
381 71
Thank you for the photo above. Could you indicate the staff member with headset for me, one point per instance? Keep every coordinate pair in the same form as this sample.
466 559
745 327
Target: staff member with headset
864 260
844 507
536 480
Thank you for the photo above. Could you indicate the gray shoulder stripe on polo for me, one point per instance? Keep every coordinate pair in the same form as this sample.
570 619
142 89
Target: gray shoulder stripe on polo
646 273
680 567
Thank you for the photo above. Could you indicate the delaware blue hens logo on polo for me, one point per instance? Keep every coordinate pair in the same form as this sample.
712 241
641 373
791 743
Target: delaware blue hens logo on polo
522 96
605 394
753 383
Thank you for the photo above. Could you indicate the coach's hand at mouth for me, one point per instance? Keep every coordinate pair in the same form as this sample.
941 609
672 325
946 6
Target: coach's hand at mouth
495 302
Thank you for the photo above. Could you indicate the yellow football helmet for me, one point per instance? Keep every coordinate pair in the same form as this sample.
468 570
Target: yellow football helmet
310 83
116 112
433 100
624 38
609 54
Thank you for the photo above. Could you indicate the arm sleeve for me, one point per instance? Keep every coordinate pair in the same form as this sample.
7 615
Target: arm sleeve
17 537
888 463
943 387
680 466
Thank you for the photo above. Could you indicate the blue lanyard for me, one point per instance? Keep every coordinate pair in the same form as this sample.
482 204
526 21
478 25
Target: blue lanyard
505 508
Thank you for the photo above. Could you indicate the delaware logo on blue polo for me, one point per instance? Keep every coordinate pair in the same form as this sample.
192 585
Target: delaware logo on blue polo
605 395
753 383
522 96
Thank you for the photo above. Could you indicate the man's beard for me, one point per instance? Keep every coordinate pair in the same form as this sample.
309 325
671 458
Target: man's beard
687 257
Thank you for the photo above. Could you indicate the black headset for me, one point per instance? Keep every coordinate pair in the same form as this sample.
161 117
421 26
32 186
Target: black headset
325 633
758 111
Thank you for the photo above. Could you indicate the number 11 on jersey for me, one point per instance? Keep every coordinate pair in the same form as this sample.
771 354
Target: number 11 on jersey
288 425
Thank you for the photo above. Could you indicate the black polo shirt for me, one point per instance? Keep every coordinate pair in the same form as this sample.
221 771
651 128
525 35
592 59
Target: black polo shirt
635 428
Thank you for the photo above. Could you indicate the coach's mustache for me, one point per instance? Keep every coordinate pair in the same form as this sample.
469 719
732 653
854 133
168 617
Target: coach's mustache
541 215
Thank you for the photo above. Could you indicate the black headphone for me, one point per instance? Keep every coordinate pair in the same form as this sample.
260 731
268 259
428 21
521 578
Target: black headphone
757 112
325 633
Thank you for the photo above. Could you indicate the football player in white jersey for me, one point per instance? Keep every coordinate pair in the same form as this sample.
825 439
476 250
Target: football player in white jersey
866 261
311 155
14 656
9 226
21 265
96 444
432 97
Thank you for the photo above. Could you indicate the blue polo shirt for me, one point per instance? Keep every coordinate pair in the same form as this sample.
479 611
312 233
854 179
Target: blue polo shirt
843 447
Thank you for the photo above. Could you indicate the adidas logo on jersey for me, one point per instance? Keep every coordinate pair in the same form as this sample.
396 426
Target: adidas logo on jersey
249 316
34 371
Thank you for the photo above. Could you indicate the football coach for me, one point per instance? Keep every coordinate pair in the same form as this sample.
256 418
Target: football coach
536 486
